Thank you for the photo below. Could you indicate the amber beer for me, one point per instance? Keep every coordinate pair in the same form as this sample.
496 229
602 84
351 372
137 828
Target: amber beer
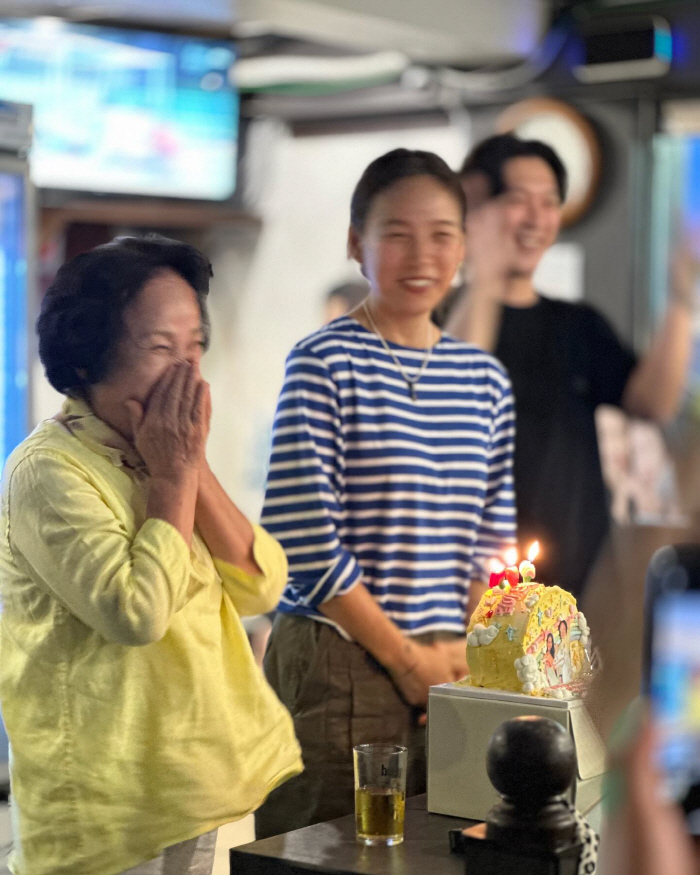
379 813
380 793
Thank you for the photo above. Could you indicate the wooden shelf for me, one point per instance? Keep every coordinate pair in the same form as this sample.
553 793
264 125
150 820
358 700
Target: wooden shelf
142 214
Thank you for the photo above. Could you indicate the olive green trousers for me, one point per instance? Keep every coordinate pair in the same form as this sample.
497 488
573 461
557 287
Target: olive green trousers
338 696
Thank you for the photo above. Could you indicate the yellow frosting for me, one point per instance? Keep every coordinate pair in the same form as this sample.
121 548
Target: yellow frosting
508 643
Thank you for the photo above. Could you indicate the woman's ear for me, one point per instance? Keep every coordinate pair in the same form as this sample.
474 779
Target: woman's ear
463 248
355 246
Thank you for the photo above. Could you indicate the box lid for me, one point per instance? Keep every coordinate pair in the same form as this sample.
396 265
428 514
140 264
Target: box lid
504 696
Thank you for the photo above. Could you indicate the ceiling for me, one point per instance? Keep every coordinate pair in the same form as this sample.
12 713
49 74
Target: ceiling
460 32
455 32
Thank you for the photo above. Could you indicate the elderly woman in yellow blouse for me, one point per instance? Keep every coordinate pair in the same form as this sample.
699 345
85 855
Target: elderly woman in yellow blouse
137 718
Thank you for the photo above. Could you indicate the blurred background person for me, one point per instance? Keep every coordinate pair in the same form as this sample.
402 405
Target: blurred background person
654 493
341 299
612 428
390 489
638 470
564 359
137 718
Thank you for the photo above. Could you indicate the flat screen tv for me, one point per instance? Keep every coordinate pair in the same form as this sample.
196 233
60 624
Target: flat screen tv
124 111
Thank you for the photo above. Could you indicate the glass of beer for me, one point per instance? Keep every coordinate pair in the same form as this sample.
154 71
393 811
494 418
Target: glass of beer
380 793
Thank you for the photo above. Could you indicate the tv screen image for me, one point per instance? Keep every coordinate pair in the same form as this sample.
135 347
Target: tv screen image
13 314
124 111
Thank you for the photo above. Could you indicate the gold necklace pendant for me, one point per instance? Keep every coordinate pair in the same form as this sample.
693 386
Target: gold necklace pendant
411 383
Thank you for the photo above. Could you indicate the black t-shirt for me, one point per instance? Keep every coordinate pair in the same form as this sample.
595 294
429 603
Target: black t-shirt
564 360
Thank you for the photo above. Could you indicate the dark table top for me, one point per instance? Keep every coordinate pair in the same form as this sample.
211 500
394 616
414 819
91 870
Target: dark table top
331 847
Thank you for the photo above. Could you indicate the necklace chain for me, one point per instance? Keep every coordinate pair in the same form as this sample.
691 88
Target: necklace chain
410 381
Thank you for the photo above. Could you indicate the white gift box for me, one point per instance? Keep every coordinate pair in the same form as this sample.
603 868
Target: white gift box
461 721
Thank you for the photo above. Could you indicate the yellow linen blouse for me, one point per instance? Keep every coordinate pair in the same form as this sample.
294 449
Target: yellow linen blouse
136 714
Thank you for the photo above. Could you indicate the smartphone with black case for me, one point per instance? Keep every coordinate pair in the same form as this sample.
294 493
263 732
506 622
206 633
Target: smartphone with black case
672 670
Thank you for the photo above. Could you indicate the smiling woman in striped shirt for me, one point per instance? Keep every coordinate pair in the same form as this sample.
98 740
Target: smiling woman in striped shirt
390 488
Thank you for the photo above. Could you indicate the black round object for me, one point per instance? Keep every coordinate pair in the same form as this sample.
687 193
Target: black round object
531 759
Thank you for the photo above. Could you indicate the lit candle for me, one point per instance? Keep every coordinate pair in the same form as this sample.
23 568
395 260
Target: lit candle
511 556
497 571
510 576
505 577
527 569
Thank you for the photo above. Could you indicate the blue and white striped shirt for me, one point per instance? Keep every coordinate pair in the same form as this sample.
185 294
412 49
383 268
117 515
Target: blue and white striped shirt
410 497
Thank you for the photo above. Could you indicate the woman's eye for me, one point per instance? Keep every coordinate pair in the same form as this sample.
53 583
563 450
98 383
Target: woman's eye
160 347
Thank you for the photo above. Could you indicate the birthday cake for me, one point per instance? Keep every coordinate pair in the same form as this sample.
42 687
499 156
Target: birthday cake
527 638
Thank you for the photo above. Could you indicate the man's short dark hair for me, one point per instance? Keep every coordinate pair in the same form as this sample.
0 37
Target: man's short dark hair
490 156
82 314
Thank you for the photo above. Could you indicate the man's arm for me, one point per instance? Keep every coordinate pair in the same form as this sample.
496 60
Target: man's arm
655 387
652 387
476 317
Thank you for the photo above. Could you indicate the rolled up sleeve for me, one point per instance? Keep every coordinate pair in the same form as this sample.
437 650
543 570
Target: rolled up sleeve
256 593
304 496
65 537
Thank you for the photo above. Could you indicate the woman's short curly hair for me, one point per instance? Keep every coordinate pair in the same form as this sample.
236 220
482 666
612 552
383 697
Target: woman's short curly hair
82 314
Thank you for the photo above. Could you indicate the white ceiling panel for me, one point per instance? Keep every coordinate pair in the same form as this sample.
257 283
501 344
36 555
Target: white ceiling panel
444 31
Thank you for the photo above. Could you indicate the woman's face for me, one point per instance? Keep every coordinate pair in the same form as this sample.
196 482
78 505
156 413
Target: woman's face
162 325
411 245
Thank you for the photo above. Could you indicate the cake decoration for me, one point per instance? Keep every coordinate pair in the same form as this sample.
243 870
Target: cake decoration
527 637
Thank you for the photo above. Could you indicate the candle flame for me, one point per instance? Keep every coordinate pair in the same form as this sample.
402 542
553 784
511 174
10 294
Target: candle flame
495 565
511 556
533 551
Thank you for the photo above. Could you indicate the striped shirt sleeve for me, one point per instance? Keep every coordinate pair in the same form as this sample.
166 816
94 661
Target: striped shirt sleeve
498 528
303 500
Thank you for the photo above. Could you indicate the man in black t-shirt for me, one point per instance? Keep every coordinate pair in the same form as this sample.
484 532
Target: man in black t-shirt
564 359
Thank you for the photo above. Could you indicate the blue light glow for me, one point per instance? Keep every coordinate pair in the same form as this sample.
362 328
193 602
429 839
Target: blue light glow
13 313
663 44
691 188
682 54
